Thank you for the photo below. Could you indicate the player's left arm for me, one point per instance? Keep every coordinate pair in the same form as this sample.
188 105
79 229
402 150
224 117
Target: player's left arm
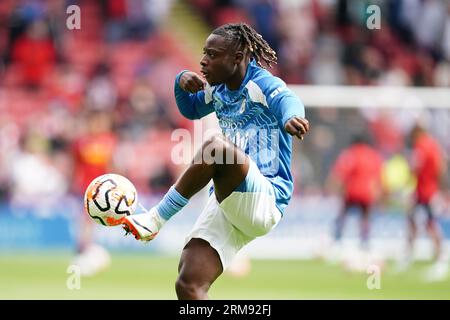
286 106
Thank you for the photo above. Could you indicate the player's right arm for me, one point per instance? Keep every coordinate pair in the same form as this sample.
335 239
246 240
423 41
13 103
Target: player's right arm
193 96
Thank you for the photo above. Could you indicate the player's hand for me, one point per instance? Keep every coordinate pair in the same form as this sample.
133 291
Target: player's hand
297 126
191 82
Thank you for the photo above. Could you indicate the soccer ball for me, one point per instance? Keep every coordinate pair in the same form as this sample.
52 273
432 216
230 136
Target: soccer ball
110 198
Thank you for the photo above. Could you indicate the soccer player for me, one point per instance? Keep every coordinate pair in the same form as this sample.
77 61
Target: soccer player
249 163
429 168
357 170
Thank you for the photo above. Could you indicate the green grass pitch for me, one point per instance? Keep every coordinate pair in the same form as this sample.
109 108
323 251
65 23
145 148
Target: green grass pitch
139 276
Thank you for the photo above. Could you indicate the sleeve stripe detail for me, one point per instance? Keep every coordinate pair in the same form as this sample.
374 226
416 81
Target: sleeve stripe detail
255 93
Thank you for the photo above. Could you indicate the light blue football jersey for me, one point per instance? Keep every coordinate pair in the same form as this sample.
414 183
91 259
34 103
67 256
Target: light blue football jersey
253 118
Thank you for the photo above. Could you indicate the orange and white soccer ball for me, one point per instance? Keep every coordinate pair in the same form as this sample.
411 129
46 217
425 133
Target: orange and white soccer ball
110 198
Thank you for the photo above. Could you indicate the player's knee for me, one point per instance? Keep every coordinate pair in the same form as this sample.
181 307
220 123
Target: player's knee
189 290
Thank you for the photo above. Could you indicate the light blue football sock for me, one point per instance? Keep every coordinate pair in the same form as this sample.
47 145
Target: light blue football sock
171 203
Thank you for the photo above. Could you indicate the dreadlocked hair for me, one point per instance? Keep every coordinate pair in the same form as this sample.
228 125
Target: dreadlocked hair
246 36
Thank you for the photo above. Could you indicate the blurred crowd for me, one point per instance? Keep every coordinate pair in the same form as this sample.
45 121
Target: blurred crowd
327 42
76 103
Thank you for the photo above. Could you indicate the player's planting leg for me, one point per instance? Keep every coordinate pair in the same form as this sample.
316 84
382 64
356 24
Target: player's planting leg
219 160
199 267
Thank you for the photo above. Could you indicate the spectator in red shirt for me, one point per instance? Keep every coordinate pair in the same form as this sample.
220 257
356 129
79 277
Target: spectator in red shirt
34 54
429 168
357 172
93 152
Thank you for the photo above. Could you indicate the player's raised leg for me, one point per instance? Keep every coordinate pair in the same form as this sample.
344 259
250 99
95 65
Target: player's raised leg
218 159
